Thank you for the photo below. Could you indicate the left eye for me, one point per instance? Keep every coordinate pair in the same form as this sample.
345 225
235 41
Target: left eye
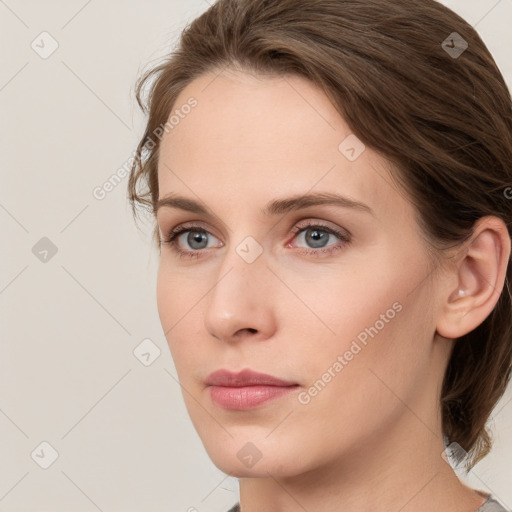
316 237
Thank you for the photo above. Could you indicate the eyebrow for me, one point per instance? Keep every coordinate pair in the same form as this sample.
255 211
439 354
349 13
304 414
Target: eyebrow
274 207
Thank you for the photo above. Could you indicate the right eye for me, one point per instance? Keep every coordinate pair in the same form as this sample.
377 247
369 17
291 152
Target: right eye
196 238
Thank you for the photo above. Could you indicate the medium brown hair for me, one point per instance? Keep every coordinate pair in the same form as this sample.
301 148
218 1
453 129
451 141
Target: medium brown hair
443 120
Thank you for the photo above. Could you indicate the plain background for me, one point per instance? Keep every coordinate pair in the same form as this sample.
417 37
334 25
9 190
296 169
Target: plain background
70 324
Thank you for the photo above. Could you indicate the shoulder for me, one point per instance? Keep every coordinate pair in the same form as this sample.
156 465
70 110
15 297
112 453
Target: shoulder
490 505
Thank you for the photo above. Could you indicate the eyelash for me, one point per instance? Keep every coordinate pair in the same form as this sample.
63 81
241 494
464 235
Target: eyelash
176 232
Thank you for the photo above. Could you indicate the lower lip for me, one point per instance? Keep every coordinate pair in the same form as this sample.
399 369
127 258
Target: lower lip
247 397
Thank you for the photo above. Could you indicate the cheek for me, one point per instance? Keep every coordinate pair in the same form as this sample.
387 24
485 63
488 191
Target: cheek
166 297
377 361
177 300
371 329
336 305
177 291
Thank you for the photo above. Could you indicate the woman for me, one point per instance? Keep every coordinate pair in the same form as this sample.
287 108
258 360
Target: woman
331 185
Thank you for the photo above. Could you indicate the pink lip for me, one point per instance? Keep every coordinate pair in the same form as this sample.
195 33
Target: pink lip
246 389
246 377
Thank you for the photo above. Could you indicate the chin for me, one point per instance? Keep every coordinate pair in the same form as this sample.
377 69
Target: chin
240 457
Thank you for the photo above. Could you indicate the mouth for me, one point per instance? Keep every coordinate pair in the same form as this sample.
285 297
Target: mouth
246 390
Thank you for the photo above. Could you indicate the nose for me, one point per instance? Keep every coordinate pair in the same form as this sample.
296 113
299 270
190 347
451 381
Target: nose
240 304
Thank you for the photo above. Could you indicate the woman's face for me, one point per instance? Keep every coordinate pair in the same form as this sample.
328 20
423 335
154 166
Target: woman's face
348 318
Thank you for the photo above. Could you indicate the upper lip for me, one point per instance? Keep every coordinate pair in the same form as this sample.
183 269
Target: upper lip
246 377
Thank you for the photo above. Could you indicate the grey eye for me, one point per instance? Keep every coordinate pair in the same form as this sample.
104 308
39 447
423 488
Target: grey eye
197 237
316 237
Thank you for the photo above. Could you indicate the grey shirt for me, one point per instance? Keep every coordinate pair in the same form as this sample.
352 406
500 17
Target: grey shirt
490 505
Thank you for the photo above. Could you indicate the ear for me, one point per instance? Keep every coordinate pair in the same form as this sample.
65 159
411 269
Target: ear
479 275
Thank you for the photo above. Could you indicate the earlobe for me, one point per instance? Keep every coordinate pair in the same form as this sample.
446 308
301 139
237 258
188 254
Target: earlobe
480 274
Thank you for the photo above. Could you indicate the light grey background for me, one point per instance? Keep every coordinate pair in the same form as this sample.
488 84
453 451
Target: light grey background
70 325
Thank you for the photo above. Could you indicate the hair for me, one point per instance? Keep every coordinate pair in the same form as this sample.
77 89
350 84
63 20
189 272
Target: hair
443 120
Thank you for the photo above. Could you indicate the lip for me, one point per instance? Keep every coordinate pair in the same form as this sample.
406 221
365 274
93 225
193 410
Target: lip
246 377
245 390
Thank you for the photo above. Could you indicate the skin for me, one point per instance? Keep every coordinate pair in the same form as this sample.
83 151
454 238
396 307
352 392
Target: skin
371 439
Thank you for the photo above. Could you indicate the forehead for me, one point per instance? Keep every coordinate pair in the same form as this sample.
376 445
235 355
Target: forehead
252 137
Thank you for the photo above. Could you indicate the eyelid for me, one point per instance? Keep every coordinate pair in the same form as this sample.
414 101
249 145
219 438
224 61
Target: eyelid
329 226
191 225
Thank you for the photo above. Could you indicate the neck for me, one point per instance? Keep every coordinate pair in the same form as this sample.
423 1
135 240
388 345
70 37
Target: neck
403 471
